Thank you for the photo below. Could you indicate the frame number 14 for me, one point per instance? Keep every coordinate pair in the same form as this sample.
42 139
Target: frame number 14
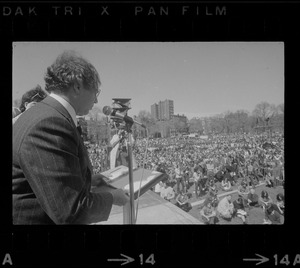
150 259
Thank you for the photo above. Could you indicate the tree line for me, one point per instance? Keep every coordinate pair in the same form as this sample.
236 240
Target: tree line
264 117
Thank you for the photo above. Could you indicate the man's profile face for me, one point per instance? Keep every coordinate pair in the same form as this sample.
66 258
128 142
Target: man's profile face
86 99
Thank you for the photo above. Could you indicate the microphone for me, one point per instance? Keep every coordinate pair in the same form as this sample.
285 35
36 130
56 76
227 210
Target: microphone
110 112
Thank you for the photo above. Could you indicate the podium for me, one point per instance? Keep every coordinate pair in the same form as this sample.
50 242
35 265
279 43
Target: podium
119 178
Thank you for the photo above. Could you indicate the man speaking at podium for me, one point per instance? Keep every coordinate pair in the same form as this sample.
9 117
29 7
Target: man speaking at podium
51 170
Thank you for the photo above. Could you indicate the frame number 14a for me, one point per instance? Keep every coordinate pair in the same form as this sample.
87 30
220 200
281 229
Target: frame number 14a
285 260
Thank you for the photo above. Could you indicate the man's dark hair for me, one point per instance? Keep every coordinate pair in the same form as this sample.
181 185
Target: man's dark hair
36 94
68 69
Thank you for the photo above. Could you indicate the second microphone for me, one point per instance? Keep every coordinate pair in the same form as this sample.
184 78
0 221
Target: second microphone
107 110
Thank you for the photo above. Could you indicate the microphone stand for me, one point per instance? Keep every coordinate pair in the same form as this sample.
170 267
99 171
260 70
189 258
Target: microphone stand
128 209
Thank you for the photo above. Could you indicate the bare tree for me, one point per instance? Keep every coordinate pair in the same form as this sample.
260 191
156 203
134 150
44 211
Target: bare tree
96 113
145 118
217 123
241 120
265 111
280 108
195 125
229 120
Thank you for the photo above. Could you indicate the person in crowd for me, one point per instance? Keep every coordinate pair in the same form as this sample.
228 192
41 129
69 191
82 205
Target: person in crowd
172 179
208 214
249 169
212 198
183 202
228 175
280 206
241 171
211 186
158 187
277 173
179 179
114 145
265 199
252 198
253 180
203 168
29 99
203 185
186 178
219 174
196 176
239 206
269 180
167 192
15 112
160 168
123 156
118 149
225 208
51 170
260 172
226 185
271 215
243 188
281 178
234 178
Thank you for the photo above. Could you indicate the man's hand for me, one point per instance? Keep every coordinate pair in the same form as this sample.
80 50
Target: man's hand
99 180
120 197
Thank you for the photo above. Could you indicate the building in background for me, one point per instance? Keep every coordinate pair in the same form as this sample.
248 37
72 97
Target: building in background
154 111
179 125
164 110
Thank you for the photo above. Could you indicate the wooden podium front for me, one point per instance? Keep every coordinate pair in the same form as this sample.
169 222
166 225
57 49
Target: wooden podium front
143 180
119 178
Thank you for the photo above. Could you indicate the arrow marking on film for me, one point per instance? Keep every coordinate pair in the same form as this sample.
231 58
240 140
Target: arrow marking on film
261 260
127 260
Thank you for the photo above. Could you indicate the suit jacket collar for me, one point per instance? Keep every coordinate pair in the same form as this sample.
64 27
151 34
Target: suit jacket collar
59 107
67 105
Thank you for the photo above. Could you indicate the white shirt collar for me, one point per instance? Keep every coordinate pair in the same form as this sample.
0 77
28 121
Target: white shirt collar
67 105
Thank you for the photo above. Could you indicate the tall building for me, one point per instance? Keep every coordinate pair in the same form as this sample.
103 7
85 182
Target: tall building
164 110
154 111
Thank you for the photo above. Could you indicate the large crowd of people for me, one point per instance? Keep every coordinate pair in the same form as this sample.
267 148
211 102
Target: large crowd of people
98 156
201 169
219 164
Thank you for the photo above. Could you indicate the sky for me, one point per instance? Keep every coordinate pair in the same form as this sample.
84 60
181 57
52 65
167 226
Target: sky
202 78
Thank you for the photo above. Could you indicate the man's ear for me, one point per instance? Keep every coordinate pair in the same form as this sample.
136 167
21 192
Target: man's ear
76 88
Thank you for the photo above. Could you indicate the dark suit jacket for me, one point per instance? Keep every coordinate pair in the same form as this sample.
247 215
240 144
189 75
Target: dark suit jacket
51 171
